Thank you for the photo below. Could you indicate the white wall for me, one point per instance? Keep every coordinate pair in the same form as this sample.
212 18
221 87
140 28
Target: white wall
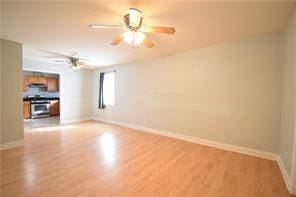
288 123
75 89
228 93
11 93
0 74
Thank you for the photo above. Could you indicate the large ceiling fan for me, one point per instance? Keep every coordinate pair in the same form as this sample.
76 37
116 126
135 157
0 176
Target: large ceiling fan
72 60
135 30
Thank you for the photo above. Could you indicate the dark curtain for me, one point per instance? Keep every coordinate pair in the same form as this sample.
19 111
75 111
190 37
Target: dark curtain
101 95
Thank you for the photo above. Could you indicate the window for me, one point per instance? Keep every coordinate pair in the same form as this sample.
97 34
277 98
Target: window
106 89
109 88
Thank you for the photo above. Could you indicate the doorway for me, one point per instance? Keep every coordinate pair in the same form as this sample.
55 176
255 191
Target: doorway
41 99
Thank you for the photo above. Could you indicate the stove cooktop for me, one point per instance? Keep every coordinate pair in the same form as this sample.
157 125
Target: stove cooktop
40 98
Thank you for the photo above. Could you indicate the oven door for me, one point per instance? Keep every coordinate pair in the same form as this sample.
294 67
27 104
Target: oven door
40 110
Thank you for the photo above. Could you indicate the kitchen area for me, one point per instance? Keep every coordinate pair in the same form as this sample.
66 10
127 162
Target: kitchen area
41 99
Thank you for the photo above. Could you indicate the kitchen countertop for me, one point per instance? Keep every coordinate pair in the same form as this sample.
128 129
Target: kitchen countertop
41 98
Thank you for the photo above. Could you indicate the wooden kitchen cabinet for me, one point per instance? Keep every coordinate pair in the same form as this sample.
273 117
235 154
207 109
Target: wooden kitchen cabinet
26 83
52 84
26 110
54 107
33 80
37 80
42 80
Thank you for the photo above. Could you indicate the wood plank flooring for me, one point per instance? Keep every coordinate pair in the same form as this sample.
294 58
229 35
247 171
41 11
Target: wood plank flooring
95 159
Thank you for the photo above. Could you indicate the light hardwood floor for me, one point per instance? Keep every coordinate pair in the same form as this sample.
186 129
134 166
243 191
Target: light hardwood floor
95 159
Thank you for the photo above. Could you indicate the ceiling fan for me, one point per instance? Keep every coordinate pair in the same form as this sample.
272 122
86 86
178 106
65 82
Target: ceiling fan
74 62
135 30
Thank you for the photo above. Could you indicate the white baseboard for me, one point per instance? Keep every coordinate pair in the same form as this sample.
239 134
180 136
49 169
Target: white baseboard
13 144
75 120
220 145
285 174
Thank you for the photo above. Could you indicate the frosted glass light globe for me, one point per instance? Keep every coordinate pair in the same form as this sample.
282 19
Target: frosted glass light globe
133 38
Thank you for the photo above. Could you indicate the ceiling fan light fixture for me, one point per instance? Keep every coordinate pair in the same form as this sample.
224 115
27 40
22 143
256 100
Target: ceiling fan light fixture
76 68
134 37
134 30
135 16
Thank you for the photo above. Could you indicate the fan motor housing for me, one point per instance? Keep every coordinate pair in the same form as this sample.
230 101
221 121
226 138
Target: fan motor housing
127 23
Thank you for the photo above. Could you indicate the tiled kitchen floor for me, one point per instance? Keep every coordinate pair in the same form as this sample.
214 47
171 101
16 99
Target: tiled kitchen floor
41 122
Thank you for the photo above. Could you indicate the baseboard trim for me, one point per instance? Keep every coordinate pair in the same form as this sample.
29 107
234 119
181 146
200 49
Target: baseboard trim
76 120
285 174
220 145
12 144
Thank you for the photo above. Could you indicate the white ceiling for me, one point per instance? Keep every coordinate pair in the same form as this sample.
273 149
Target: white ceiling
62 26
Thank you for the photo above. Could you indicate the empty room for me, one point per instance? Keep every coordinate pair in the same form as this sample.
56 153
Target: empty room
148 98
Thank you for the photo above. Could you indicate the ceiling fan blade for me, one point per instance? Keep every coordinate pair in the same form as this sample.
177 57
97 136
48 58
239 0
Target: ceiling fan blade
45 56
81 63
148 43
75 56
117 40
162 30
58 54
61 60
98 26
83 59
62 63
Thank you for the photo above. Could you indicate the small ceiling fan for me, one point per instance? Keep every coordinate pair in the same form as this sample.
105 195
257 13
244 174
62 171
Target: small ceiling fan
135 30
74 62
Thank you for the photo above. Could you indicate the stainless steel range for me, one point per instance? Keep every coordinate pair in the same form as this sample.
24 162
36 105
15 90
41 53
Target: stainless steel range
40 108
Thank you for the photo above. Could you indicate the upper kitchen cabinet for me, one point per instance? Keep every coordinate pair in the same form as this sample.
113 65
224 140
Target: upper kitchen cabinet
52 84
26 83
33 80
42 80
37 80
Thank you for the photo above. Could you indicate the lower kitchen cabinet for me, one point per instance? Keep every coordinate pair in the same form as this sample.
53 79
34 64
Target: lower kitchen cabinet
54 108
26 110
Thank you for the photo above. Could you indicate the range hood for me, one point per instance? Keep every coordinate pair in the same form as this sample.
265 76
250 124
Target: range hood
38 85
